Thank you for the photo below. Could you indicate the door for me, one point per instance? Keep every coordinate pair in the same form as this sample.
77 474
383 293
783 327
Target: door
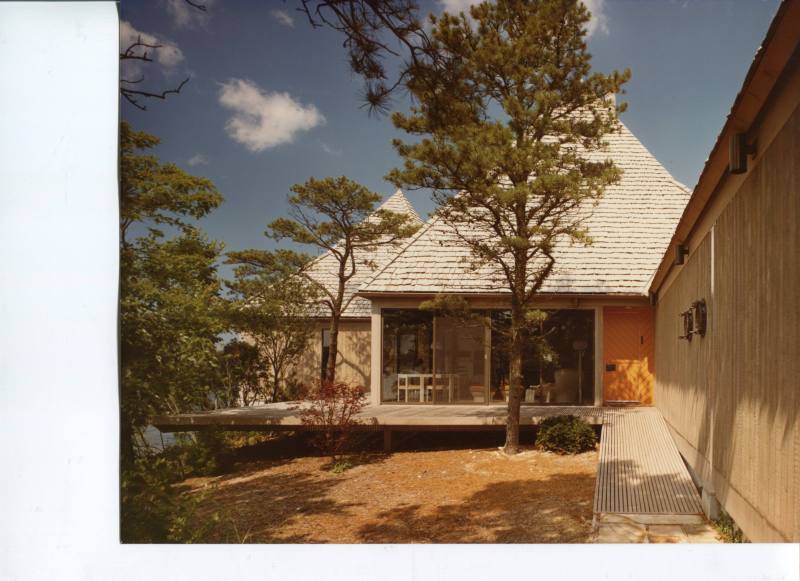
628 346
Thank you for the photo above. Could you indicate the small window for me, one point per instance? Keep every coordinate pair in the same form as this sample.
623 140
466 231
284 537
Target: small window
326 349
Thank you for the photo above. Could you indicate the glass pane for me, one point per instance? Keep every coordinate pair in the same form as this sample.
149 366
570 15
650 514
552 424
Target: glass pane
558 363
460 361
407 356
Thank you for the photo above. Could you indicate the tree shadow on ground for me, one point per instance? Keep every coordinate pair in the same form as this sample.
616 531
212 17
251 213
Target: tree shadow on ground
541 510
257 507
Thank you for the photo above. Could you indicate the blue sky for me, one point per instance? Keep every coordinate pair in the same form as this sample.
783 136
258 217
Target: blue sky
272 102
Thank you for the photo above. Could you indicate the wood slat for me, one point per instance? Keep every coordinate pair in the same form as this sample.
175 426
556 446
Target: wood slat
640 470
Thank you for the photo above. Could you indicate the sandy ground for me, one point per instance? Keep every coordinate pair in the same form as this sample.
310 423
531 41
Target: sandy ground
468 495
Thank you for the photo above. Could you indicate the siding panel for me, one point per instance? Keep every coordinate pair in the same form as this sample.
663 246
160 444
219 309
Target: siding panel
353 364
733 395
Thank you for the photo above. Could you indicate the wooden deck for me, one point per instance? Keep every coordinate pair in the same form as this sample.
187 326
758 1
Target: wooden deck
640 470
287 416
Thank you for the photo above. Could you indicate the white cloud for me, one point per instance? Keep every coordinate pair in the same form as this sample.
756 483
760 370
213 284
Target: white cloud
262 120
186 16
330 150
598 23
168 55
283 17
198 159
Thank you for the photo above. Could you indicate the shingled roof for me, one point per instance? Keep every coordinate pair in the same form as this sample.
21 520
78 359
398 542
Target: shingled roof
631 227
325 266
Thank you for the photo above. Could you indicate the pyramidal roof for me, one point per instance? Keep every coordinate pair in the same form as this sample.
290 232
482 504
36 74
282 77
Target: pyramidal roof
325 267
398 203
630 227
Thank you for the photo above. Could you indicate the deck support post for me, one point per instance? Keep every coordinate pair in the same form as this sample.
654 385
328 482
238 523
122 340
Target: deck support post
387 441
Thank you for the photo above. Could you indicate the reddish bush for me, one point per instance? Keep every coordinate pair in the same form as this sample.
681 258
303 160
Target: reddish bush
331 411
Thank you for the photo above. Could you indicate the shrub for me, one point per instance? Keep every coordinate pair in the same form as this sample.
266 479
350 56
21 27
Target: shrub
203 453
565 435
331 411
153 510
728 530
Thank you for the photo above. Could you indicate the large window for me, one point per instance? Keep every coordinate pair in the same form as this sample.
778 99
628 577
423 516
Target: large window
441 360
407 356
558 362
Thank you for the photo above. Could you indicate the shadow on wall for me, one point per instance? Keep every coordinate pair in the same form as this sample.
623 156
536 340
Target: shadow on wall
739 382
354 360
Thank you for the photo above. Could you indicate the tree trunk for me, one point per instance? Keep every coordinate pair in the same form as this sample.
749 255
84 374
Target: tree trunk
515 379
333 350
276 376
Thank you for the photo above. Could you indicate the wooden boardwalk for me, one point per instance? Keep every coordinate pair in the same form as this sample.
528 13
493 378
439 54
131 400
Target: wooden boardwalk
640 470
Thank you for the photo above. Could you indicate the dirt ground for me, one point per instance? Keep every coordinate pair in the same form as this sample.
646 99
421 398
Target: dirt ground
426 493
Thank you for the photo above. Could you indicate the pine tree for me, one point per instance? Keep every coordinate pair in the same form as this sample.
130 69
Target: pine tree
338 216
510 121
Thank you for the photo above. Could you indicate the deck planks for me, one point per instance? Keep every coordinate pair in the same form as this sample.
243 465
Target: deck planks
640 470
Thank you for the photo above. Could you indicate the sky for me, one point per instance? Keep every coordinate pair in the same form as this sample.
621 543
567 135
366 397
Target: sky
271 101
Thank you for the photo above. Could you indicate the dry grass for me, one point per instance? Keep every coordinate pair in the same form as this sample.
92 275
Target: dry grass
415 496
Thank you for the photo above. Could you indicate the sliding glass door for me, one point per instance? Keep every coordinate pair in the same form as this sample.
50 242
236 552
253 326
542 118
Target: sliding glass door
429 359
558 361
407 357
461 360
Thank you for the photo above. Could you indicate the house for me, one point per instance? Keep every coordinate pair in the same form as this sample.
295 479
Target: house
727 341
687 301
600 325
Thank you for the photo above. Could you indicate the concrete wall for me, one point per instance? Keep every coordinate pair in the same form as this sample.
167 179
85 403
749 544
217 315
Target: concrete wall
731 398
353 363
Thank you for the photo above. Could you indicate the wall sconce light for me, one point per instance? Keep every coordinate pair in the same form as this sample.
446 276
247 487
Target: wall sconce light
681 252
695 319
699 317
653 296
738 150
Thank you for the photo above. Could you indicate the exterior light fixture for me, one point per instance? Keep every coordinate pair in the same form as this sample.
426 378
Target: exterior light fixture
681 252
699 317
695 319
738 150
653 296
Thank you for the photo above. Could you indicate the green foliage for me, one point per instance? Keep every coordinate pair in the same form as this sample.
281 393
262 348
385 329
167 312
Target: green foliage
170 301
242 374
449 305
157 193
271 307
202 453
728 530
153 510
341 467
339 216
565 435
